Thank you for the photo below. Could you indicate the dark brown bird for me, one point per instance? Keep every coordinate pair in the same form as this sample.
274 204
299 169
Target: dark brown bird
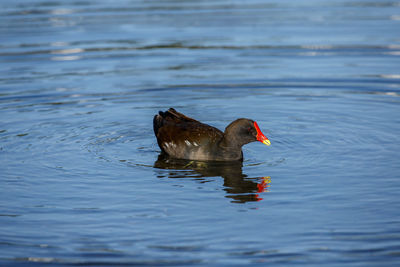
185 138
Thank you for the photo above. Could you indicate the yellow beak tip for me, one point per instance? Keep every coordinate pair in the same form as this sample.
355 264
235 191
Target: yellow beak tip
267 142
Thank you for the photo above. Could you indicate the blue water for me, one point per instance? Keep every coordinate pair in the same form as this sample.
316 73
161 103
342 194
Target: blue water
81 181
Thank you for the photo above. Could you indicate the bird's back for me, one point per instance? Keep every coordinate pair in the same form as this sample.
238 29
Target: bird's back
183 137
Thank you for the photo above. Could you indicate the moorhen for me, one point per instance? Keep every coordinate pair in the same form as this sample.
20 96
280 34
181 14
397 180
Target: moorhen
182 137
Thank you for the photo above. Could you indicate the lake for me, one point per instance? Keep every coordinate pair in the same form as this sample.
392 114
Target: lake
82 180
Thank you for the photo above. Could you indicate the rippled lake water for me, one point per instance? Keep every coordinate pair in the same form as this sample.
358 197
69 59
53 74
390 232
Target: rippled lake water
81 179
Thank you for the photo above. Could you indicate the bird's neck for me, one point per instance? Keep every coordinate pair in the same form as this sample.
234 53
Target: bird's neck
231 147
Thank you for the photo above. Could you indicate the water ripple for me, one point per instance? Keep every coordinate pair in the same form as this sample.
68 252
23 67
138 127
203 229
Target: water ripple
81 179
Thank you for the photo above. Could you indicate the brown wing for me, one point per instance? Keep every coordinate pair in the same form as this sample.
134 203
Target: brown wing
168 117
179 135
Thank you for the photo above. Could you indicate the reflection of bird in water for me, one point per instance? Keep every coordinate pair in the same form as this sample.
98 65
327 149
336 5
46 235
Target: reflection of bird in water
238 186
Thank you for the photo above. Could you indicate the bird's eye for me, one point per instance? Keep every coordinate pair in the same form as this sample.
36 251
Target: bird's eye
250 131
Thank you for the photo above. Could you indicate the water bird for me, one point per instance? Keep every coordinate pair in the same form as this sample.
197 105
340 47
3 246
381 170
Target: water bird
182 137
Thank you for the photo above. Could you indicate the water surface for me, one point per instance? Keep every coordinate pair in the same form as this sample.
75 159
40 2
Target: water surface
81 179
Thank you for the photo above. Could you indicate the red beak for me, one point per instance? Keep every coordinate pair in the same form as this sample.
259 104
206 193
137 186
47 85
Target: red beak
260 136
